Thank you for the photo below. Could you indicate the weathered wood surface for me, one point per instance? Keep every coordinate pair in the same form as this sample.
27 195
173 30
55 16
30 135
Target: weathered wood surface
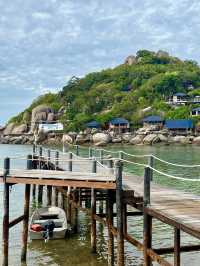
175 207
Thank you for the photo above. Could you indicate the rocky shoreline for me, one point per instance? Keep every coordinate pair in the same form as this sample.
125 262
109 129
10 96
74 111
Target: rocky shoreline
100 138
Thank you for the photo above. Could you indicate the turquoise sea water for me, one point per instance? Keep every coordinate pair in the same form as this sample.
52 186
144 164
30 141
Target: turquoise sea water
76 250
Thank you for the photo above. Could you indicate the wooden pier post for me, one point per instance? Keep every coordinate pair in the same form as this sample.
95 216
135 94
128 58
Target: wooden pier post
121 155
177 243
26 215
49 158
40 151
57 160
34 149
49 195
70 162
40 194
93 213
151 163
101 156
69 209
55 196
147 230
77 150
65 148
90 152
119 210
109 207
33 192
75 210
5 242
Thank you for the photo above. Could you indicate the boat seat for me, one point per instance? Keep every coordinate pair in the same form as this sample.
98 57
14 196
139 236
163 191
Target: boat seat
58 222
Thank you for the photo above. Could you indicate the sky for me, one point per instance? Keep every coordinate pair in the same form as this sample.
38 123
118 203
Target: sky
44 43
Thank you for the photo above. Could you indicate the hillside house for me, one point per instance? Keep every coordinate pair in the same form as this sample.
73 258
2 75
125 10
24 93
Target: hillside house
93 124
179 98
179 126
153 120
119 125
183 99
195 111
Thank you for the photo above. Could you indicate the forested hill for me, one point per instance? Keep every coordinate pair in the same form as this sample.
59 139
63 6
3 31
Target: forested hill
143 81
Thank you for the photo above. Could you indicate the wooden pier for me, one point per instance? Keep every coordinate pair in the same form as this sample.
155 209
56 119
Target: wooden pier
84 182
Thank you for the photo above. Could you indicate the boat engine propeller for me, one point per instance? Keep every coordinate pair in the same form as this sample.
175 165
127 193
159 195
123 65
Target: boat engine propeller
48 230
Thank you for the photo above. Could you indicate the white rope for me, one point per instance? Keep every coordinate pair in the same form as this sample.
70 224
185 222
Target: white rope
175 164
165 174
104 166
175 177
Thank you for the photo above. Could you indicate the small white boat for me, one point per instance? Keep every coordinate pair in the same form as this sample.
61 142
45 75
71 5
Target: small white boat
48 223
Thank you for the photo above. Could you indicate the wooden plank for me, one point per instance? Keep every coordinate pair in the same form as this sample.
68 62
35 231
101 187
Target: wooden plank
16 221
62 183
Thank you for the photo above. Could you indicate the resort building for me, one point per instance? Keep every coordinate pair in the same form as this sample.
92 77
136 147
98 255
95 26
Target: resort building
195 111
153 120
179 126
179 98
183 99
119 125
47 127
93 124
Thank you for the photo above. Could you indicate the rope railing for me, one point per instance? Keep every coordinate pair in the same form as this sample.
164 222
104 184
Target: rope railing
79 159
139 156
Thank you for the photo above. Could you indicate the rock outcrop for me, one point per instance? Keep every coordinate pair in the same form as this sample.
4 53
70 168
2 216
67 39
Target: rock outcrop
100 139
67 139
18 130
137 140
151 139
39 113
196 140
9 128
130 60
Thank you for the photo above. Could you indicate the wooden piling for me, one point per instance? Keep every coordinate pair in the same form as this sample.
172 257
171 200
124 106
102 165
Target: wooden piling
49 195
55 196
101 156
93 213
25 223
70 162
119 210
26 214
90 152
147 230
109 207
57 160
5 241
77 150
177 255
33 191
69 209
151 164
40 194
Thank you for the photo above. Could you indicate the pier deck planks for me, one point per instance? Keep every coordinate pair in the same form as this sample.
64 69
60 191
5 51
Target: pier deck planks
171 206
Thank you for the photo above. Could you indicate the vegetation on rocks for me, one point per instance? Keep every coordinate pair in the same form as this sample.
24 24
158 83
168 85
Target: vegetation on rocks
123 91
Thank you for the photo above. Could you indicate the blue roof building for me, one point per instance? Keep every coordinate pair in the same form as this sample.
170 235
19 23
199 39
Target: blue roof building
119 124
119 121
93 124
179 126
153 119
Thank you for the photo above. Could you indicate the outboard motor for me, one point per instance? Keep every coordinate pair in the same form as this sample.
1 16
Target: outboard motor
48 229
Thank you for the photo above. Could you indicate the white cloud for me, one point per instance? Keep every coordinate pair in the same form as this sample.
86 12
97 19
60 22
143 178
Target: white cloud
43 43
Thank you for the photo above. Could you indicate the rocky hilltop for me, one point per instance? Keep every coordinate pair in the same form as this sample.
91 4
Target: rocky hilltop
137 88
